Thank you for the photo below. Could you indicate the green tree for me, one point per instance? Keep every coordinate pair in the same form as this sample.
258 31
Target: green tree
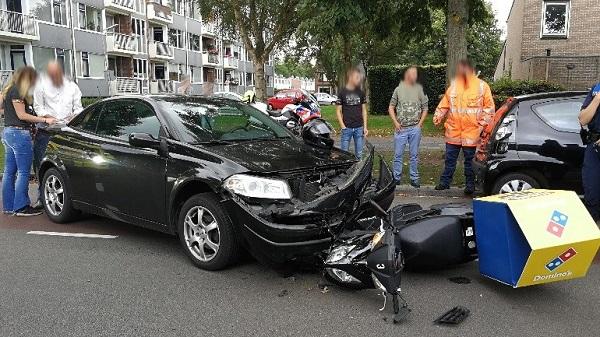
262 25
293 66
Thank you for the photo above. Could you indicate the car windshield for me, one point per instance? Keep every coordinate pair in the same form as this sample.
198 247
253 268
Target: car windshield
216 121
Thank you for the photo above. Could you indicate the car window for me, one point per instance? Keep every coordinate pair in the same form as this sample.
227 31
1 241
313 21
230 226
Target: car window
88 119
280 95
560 115
122 117
220 121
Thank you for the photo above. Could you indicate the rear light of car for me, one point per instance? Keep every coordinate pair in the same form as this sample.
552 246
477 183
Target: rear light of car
484 144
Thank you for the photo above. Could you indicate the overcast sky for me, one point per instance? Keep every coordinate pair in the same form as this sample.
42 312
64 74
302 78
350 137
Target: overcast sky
501 9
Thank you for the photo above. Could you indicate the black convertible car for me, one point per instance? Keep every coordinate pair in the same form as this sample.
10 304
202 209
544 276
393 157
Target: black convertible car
218 173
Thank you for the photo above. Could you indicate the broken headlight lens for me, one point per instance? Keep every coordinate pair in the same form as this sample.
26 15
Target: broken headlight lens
257 187
338 254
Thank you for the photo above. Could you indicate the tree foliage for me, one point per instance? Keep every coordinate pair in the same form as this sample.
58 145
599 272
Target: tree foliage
262 25
293 66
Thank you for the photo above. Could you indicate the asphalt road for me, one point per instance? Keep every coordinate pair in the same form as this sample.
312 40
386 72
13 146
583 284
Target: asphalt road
141 284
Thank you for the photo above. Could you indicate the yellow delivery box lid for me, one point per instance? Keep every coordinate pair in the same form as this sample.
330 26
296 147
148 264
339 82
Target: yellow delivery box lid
535 236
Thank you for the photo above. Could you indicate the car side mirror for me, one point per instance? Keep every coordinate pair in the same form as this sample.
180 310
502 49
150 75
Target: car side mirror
143 140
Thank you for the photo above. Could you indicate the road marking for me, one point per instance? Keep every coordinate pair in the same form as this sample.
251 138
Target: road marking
74 235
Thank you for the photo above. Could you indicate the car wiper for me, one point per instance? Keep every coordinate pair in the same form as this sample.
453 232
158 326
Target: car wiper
214 142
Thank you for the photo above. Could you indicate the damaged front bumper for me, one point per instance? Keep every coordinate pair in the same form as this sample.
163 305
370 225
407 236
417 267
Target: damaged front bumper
277 233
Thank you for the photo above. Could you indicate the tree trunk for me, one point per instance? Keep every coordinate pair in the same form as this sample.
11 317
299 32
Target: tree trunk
260 80
457 21
346 61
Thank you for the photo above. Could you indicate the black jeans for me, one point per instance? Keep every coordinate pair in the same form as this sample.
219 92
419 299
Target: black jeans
591 179
452 152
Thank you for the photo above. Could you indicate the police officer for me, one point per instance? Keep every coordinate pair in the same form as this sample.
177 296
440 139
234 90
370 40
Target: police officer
590 118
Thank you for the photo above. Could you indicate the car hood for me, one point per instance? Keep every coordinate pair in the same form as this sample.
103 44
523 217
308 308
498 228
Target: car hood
281 155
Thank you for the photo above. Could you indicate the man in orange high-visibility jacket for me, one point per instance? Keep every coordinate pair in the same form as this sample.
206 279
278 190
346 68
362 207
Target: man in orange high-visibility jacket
468 107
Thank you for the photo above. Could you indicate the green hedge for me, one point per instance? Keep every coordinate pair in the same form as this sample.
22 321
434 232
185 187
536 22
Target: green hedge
505 88
87 101
384 79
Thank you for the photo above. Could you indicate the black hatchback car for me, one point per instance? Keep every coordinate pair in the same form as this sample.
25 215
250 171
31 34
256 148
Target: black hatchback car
218 173
535 143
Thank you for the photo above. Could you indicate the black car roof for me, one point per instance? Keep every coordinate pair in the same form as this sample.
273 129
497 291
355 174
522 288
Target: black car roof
173 98
544 95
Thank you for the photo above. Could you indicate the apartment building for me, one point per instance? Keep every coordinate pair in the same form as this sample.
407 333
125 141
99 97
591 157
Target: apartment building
553 40
112 47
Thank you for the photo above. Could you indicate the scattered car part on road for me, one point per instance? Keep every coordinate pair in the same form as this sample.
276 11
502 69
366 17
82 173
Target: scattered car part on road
454 316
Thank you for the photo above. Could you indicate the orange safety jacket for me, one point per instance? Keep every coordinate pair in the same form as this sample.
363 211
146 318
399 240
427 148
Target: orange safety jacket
468 108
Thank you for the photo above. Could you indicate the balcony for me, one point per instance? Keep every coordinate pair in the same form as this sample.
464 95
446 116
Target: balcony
125 86
18 27
122 44
120 6
209 28
158 13
209 59
162 87
230 62
160 50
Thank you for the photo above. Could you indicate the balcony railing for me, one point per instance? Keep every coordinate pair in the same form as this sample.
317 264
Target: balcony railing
120 5
230 62
209 28
208 58
121 43
160 50
158 12
125 86
18 25
162 86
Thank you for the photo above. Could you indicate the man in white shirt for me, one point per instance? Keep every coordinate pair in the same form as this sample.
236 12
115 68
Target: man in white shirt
54 96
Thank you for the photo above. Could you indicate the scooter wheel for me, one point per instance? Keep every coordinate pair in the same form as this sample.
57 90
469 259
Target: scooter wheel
331 277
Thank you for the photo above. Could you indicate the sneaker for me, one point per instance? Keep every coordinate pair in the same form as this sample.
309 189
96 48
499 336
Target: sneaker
398 182
27 211
441 187
469 190
415 184
38 206
8 212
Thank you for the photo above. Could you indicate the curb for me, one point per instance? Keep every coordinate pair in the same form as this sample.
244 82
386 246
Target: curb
429 191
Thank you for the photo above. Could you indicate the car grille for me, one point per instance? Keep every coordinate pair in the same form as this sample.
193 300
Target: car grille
306 187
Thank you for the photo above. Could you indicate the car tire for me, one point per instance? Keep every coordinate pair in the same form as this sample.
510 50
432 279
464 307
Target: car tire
209 239
515 182
56 197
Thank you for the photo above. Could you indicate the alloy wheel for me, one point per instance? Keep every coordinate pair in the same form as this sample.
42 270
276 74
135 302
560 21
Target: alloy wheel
515 186
54 195
202 233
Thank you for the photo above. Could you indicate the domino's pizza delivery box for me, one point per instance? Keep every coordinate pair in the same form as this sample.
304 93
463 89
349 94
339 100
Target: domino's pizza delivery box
534 237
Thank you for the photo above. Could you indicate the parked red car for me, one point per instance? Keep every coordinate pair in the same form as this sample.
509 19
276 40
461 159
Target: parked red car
285 97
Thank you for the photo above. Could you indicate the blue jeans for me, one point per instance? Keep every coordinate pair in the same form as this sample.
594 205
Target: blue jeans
412 136
40 143
452 152
18 149
357 135
591 180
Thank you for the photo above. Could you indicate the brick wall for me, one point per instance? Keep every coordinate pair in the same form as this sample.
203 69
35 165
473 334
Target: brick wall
525 51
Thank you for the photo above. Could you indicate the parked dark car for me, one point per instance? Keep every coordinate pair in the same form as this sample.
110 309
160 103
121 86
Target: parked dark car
534 144
218 173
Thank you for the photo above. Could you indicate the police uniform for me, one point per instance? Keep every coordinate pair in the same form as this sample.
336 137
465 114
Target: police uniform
591 162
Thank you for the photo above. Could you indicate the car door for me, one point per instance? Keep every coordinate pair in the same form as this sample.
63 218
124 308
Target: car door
559 139
279 100
76 146
132 180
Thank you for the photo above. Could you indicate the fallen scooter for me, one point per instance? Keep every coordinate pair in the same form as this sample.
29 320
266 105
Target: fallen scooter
370 253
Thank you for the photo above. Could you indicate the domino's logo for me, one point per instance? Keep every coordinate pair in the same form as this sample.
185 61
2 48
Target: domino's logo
557 224
561 259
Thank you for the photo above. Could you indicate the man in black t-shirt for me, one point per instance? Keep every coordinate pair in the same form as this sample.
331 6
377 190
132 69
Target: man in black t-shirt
352 112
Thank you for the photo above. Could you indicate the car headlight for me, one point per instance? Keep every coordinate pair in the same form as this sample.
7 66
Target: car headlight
257 187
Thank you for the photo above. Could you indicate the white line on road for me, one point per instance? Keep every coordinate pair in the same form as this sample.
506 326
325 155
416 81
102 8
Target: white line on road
74 235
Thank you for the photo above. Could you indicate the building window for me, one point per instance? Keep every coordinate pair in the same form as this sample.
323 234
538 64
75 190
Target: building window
85 64
178 6
176 38
17 56
249 79
90 18
194 42
49 11
555 19
140 68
